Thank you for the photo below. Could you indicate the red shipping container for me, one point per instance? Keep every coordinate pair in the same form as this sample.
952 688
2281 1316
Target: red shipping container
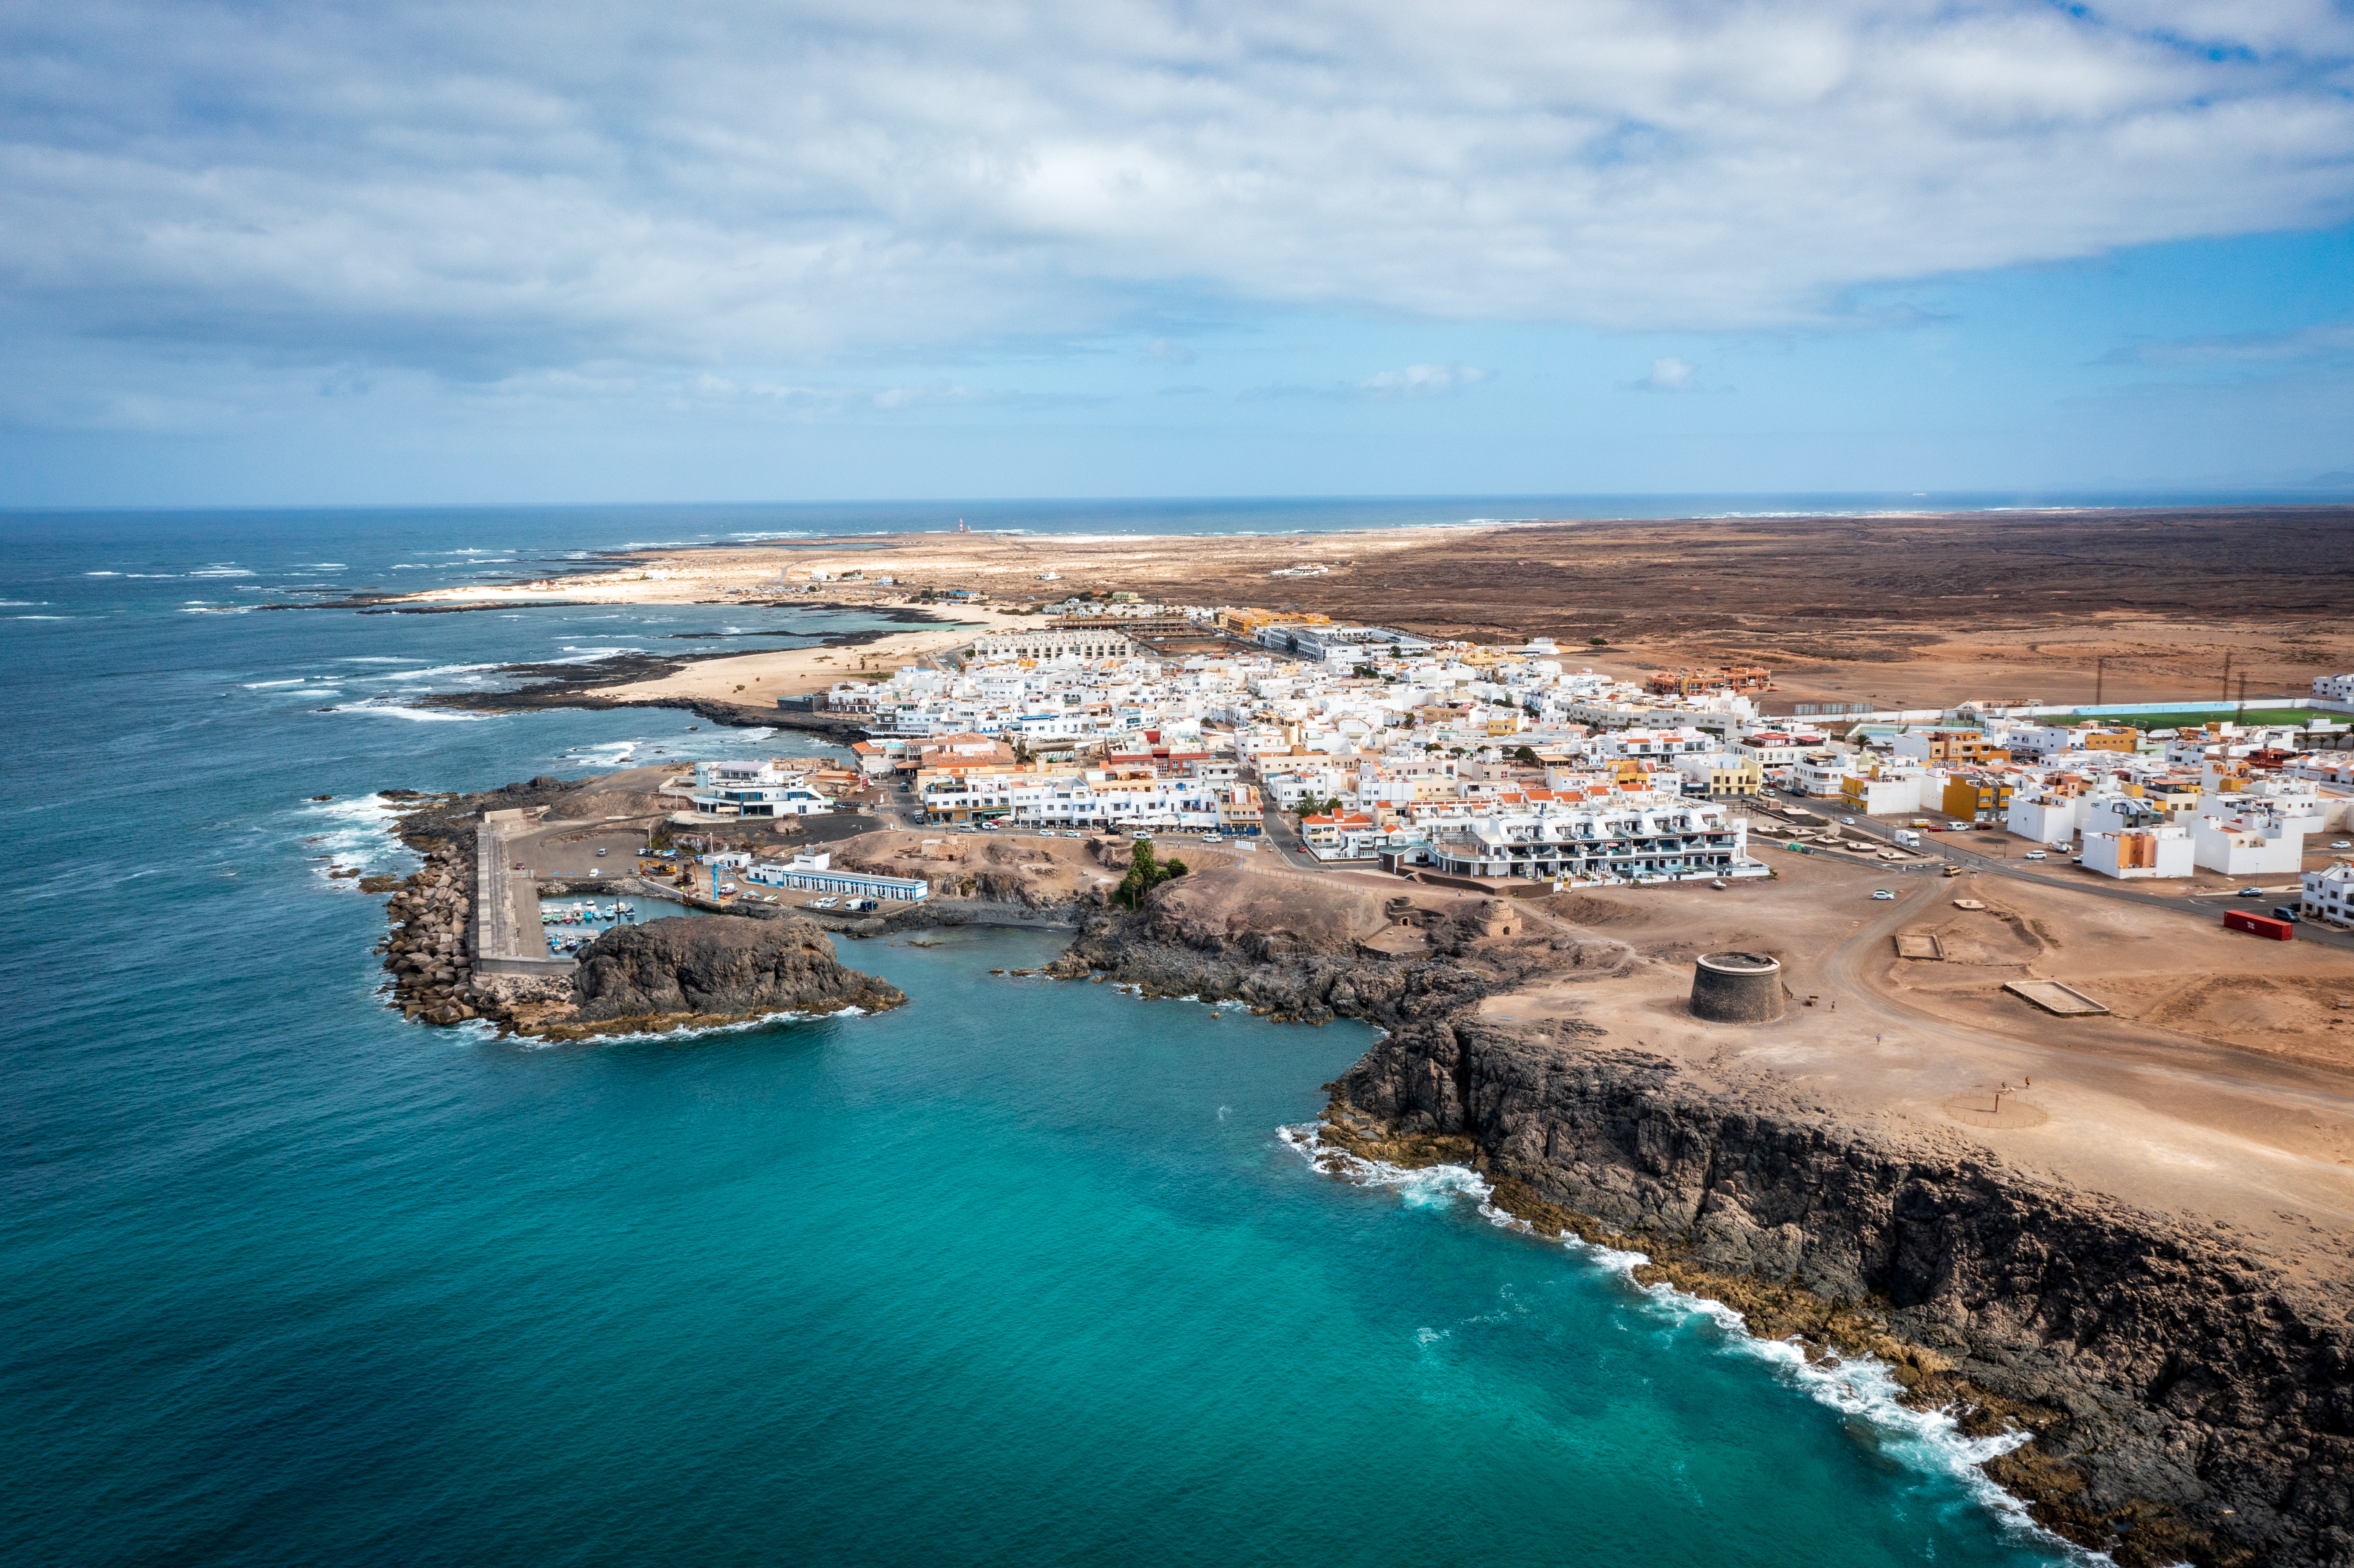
2262 925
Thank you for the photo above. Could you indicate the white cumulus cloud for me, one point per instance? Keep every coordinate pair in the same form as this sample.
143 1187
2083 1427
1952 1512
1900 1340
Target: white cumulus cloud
486 192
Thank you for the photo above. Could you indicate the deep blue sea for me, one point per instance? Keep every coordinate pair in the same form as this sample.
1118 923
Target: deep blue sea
1018 1274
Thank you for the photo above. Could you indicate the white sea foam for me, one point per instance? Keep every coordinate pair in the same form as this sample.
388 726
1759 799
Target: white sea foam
20 603
423 716
701 1032
354 831
1861 1388
434 670
40 618
589 655
375 659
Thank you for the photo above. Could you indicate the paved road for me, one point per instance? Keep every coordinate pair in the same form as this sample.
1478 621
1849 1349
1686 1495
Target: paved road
2208 904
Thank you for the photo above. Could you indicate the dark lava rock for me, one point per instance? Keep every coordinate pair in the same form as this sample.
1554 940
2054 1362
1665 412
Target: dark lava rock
723 966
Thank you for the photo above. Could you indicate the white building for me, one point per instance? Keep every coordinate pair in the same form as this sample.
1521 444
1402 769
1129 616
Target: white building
815 874
2118 813
1611 843
2329 893
1819 773
2046 818
2334 688
755 788
2249 845
1073 642
1079 800
2138 852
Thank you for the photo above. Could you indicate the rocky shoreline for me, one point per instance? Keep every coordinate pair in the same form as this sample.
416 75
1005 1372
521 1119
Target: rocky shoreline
428 951
693 972
2182 1400
2179 1398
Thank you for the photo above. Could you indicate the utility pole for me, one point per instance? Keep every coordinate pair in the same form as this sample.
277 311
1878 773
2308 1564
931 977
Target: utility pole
2100 670
2227 675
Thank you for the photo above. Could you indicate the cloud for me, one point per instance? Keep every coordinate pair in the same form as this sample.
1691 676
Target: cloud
483 193
2334 341
1422 381
1668 373
1168 352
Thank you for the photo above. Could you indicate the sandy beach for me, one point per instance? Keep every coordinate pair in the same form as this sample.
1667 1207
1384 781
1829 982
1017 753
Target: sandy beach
757 680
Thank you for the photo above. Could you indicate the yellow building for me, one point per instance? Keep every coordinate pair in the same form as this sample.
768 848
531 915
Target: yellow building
1968 794
1743 777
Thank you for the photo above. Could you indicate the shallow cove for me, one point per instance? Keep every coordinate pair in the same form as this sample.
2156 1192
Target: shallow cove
1018 1272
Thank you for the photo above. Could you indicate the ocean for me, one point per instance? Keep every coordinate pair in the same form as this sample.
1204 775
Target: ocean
1021 1273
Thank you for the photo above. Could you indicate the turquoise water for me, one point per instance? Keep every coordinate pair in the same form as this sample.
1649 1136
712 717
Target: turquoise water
1020 1272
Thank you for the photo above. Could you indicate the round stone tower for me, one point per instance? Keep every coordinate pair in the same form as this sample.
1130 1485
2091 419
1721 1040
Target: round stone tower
1737 987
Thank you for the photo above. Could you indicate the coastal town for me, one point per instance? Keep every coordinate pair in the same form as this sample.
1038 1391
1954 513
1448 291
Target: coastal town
1664 952
1367 747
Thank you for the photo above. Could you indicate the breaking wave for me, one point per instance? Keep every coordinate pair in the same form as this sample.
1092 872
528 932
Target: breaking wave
1863 1389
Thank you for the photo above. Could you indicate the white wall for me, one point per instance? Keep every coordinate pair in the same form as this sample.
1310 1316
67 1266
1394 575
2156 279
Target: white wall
2239 846
2174 856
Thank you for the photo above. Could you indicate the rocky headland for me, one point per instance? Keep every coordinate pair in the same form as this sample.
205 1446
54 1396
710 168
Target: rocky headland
664 974
709 970
2178 1392
2181 1397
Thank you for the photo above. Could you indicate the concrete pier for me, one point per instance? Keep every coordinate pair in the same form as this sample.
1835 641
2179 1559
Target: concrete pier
506 902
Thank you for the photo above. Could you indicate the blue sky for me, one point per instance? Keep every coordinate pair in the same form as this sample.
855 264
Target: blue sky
733 250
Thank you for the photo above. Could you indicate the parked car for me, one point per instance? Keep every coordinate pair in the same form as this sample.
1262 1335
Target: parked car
2251 892
1882 894
2342 844
2288 912
1847 821
600 853
2037 854
1719 885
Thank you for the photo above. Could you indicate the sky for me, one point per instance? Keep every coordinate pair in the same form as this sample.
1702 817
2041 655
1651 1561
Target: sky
265 254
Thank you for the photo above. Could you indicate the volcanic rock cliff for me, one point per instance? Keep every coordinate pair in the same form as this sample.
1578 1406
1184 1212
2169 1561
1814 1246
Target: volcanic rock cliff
2188 1402
1310 953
